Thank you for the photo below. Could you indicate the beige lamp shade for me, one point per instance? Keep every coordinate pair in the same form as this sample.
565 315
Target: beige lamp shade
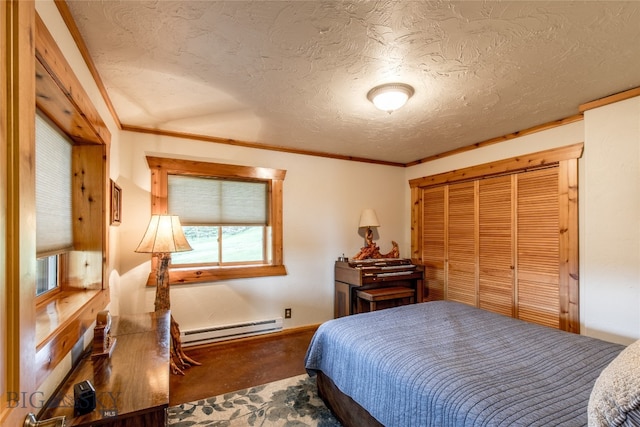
368 218
164 235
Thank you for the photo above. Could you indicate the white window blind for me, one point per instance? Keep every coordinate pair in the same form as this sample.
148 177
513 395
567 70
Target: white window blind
53 189
211 201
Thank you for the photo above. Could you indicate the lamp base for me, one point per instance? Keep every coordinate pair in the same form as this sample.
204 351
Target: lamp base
371 250
179 360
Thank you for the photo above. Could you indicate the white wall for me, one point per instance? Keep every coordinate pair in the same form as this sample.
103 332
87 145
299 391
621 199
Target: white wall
610 222
323 199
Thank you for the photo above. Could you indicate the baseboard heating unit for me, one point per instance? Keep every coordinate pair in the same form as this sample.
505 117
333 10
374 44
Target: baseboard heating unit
227 332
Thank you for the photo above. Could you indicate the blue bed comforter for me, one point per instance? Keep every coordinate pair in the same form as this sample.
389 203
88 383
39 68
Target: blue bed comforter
448 364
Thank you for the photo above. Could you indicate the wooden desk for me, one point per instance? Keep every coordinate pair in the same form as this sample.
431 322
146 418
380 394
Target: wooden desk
132 387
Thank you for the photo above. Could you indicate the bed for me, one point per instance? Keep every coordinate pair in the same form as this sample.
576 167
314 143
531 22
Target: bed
443 363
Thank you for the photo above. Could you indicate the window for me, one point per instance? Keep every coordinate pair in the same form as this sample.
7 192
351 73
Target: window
53 202
64 315
227 226
231 215
46 274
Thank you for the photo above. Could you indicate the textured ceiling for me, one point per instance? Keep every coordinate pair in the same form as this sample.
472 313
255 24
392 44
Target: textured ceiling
295 74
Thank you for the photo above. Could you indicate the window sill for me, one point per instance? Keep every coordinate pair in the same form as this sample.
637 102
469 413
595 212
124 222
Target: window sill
186 276
61 322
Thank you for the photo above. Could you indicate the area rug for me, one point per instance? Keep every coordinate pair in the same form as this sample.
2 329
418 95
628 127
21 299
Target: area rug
291 402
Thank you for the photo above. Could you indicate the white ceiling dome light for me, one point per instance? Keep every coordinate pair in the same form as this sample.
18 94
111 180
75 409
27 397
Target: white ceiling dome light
390 96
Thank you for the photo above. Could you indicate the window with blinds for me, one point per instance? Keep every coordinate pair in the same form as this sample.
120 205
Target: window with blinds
231 215
53 189
54 235
225 221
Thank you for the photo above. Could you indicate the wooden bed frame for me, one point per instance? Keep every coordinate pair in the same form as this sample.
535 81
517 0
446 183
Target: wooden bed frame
345 409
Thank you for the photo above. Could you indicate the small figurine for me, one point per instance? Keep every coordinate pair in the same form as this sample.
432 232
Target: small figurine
103 344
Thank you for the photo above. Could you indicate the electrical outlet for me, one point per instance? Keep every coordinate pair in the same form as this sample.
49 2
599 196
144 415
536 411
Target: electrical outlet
287 313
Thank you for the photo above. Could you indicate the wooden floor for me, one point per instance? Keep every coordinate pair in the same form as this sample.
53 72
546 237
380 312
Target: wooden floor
238 364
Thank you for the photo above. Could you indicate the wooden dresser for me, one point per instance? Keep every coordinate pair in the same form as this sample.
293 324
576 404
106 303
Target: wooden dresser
132 387
351 276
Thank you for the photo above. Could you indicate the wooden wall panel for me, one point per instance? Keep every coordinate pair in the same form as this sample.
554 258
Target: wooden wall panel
86 261
4 165
433 241
495 235
461 243
17 215
538 262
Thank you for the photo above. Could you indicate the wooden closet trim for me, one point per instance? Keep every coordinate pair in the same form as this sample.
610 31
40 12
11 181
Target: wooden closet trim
563 158
506 166
569 246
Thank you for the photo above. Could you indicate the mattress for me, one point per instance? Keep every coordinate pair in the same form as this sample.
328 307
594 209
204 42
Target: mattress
443 363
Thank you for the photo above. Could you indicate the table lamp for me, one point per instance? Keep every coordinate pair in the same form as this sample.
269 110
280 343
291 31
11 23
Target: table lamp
368 218
164 236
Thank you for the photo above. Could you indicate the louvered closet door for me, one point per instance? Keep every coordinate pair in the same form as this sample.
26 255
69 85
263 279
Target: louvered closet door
496 253
433 243
461 244
538 298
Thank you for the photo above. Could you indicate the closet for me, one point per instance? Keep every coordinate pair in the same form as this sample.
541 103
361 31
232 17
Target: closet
503 236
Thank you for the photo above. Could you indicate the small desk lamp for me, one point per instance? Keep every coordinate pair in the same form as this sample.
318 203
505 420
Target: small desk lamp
368 219
164 235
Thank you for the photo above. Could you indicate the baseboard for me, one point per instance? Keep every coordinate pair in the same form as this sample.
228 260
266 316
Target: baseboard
263 337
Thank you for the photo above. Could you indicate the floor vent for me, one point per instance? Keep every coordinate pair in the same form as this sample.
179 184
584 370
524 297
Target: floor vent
227 332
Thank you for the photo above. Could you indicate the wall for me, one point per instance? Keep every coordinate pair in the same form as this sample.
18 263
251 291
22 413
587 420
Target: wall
610 222
323 199
609 206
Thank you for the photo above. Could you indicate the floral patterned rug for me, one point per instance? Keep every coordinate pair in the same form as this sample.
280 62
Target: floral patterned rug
291 402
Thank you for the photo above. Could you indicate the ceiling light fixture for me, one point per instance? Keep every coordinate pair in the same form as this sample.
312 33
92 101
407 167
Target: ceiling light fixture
390 96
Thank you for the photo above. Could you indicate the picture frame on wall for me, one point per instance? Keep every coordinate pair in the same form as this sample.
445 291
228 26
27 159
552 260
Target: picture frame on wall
116 204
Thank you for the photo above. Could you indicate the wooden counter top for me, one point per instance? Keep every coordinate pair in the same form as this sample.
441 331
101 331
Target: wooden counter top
132 387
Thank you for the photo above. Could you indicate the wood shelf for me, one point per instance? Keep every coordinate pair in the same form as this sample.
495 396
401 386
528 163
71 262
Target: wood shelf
59 311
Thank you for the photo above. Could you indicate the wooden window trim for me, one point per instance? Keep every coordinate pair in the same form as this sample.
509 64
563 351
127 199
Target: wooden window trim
42 300
162 167
61 97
